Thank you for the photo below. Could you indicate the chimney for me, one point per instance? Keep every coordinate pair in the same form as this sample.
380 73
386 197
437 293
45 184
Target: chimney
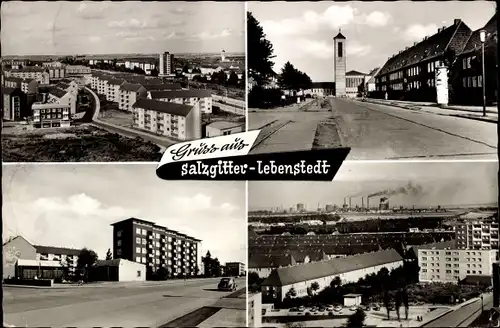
457 21
350 202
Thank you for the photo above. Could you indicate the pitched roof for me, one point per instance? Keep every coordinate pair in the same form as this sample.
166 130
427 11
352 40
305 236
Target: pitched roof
373 75
59 93
260 261
223 125
430 47
133 87
474 41
161 94
14 79
339 36
8 91
374 71
115 81
163 106
438 245
29 69
165 86
56 250
62 85
354 73
314 270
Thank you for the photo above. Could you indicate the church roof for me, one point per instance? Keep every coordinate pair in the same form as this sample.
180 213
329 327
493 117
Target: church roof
339 36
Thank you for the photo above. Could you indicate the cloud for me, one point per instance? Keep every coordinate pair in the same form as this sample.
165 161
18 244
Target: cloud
417 32
134 23
211 36
94 39
92 10
356 49
173 35
315 49
377 18
50 219
126 34
181 11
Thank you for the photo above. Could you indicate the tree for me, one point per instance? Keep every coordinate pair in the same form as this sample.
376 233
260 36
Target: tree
86 259
406 302
219 77
314 286
196 70
260 52
154 72
185 69
398 301
109 256
233 79
293 79
357 319
387 304
291 293
336 282
161 274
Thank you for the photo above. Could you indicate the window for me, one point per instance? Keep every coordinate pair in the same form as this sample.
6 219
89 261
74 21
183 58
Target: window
144 232
480 81
138 231
118 251
340 49
138 259
138 250
143 250
137 240
118 242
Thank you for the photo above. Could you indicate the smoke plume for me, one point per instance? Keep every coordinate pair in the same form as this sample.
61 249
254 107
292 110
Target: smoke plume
410 189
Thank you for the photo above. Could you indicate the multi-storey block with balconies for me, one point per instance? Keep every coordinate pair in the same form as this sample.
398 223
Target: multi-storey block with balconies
200 98
157 247
477 233
113 89
179 121
129 94
66 256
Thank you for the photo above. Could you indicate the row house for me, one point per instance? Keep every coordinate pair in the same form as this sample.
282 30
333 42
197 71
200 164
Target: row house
157 247
14 104
129 94
28 86
175 120
113 89
51 115
31 72
410 75
200 98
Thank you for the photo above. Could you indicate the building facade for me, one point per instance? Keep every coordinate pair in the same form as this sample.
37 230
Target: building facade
31 72
254 310
129 94
157 247
166 64
321 89
56 73
223 128
14 104
118 270
77 70
51 115
453 264
348 269
179 121
235 269
199 98
354 83
113 90
477 234
28 86
339 64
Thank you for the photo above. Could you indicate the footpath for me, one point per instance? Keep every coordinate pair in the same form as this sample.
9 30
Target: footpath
468 112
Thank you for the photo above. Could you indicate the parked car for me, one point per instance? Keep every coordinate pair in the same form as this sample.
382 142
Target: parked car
329 307
321 309
294 310
302 308
367 308
376 308
227 284
353 308
338 308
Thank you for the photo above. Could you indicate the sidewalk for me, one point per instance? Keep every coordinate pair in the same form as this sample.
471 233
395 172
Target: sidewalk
469 112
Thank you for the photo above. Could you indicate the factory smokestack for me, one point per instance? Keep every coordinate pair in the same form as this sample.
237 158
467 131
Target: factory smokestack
362 202
368 202
350 202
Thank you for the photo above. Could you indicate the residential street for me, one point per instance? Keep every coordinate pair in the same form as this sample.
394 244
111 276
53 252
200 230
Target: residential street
135 304
377 132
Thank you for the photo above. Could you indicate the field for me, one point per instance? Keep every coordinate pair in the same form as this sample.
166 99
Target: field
75 144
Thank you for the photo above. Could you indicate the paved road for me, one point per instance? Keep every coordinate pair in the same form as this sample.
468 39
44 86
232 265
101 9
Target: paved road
122 305
383 132
464 316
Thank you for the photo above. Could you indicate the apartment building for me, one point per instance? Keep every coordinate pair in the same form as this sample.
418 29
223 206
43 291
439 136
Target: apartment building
321 89
53 64
156 246
66 256
354 80
410 74
102 85
254 310
440 264
16 63
28 86
161 86
129 94
179 121
14 104
113 89
199 98
77 70
51 115
69 86
56 73
166 64
235 269
31 72
477 234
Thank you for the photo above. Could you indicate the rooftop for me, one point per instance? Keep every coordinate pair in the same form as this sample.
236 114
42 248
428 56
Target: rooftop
258 261
314 270
153 224
49 105
169 94
163 106
56 250
132 87
59 93
224 125
165 86
351 73
29 69
8 90
474 41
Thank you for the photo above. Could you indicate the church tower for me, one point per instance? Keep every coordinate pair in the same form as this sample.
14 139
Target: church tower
339 64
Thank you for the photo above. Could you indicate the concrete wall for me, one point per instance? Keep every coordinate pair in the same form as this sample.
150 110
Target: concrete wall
131 271
213 132
18 248
229 108
254 310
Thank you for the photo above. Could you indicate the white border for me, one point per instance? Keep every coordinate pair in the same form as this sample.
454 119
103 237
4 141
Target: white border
246 71
246 182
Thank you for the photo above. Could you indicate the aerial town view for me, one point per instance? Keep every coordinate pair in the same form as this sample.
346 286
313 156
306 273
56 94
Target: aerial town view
390 80
77 253
377 247
109 81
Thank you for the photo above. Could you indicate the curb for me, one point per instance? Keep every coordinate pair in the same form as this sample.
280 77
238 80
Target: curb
482 119
473 300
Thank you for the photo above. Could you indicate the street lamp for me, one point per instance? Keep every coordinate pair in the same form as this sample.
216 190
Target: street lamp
482 37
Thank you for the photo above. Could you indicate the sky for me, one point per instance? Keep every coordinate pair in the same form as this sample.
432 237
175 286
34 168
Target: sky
103 27
303 32
432 184
74 205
